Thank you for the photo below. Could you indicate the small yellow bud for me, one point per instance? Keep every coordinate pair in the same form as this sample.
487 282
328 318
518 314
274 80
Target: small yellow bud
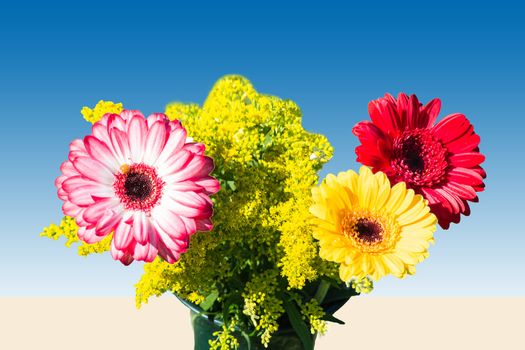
124 168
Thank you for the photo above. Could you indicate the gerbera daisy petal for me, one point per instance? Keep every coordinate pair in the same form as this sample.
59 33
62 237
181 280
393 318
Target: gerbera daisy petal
364 235
98 150
146 252
94 212
156 117
141 228
467 160
452 127
123 236
412 113
203 225
190 224
466 176
209 183
71 209
84 194
187 210
465 144
94 170
88 235
173 145
170 255
195 147
175 245
116 121
100 131
124 256
68 169
138 131
175 163
431 111
77 149
107 223
155 141
119 142
198 167
128 114
169 222
383 115
462 191
427 157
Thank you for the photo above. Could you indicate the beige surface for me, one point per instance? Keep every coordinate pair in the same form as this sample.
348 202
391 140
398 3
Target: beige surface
372 323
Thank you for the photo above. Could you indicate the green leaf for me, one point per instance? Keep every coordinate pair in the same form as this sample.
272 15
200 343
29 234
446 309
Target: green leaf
339 293
298 324
268 140
322 290
336 297
332 318
210 299
231 185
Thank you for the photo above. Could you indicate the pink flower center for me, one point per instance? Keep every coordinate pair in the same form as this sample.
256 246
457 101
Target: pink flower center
138 187
419 159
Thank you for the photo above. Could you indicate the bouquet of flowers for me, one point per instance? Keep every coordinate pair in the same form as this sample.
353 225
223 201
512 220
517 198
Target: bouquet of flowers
223 206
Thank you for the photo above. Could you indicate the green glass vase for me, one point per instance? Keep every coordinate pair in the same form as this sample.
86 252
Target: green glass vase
203 329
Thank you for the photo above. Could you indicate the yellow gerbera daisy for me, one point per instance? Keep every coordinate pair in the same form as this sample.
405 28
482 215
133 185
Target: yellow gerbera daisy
370 228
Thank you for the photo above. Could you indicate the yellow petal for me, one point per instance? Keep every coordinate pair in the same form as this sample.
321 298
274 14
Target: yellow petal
320 211
367 188
406 203
384 190
397 195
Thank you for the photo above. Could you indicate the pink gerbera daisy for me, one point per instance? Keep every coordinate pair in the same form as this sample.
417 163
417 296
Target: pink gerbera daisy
440 162
142 180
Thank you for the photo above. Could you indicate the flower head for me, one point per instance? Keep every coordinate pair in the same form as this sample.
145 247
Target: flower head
139 178
370 228
439 161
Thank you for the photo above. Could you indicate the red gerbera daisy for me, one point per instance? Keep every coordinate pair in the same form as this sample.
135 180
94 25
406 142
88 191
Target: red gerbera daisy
440 162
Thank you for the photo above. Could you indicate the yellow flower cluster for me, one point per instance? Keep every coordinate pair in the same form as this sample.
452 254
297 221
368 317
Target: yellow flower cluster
104 245
261 245
224 339
313 313
102 107
363 285
68 229
263 305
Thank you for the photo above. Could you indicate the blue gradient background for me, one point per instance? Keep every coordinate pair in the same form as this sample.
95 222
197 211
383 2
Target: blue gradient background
331 60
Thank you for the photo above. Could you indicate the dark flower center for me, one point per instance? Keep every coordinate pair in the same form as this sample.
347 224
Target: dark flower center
369 231
411 152
137 186
419 159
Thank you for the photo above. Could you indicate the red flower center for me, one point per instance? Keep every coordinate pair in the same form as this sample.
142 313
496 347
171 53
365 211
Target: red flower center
138 187
419 159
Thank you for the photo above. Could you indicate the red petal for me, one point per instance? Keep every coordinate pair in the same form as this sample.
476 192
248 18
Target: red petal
430 111
462 191
412 117
383 115
452 127
467 143
467 160
465 176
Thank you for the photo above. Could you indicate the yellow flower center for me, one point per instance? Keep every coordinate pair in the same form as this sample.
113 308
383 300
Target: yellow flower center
370 232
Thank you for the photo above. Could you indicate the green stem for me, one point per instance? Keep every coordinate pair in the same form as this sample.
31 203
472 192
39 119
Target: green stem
321 291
